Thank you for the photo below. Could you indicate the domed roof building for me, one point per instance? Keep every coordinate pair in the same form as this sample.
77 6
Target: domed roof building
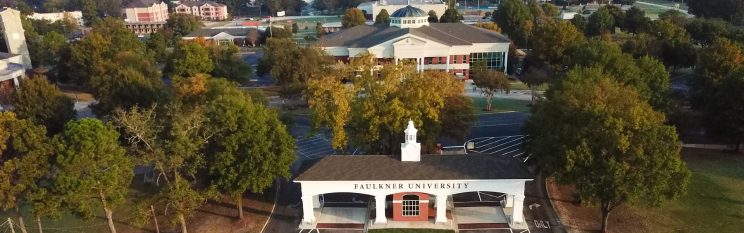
409 17
447 47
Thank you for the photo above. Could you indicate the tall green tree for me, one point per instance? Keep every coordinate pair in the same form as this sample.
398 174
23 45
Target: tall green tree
229 65
715 63
172 138
292 66
600 22
729 10
579 22
189 59
252 149
646 75
724 109
353 17
510 15
92 168
551 40
183 24
635 20
490 82
705 31
381 102
128 79
602 138
383 17
433 18
675 16
451 15
25 151
42 103
677 50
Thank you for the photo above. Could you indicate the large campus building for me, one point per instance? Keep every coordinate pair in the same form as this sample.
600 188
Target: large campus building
414 191
205 10
145 16
16 60
449 47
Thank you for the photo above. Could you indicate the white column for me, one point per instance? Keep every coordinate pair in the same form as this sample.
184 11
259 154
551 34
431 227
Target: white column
308 215
380 209
506 59
441 209
316 201
509 199
447 69
517 216
16 83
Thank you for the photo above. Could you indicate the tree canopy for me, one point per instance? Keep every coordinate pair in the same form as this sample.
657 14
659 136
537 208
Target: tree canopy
42 103
729 10
600 22
552 39
600 136
93 168
383 17
373 111
510 15
353 17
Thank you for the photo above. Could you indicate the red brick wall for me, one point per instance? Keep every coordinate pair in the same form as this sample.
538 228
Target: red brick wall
398 207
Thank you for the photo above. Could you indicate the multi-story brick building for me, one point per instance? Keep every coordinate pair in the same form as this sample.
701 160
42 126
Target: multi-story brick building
206 10
145 16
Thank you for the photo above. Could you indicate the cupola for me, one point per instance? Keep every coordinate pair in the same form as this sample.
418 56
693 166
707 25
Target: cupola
409 17
410 150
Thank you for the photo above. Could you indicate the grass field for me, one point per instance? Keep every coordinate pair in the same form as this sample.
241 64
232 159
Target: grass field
501 105
215 216
409 231
654 11
714 202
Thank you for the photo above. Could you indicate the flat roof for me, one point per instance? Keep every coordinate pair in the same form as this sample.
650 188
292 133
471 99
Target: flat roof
431 167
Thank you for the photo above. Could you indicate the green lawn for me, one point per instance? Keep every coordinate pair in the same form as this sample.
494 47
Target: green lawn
501 105
517 85
409 231
714 200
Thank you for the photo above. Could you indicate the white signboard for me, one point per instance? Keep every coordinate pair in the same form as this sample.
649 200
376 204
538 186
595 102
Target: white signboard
280 13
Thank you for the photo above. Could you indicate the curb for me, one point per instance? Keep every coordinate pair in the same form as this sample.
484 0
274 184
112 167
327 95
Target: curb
276 197
552 206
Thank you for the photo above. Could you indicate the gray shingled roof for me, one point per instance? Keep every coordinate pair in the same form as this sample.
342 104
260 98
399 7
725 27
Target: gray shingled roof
431 167
210 32
200 3
141 3
365 36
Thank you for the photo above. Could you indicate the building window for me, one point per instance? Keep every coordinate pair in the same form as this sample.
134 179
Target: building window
411 205
492 60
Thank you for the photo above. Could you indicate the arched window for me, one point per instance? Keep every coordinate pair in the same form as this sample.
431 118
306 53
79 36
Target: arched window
411 205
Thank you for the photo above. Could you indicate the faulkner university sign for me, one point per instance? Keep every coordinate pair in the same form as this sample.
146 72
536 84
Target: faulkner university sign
412 186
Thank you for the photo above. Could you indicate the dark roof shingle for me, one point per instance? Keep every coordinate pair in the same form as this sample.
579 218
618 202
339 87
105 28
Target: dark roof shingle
141 3
431 167
365 36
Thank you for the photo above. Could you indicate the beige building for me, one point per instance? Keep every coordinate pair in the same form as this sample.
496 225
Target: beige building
14 63
448 47
206 10
371 9
57 16
145 16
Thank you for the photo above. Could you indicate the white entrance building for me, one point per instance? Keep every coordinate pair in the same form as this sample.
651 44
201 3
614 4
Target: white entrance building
421 187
